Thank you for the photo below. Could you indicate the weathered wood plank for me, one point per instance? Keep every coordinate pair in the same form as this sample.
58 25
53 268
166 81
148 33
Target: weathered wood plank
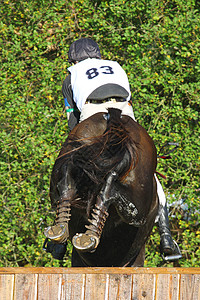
72 287
144 287
190 287
50 270
25 287
119 287
100 283
6 287
95 286
167 287
49 286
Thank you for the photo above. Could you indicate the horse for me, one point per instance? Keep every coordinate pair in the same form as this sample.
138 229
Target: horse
104 189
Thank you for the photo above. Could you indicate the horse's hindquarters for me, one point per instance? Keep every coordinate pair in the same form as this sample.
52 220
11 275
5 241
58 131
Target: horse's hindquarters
113 161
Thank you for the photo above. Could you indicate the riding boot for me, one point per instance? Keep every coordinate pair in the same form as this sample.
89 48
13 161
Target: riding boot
56 250
168 248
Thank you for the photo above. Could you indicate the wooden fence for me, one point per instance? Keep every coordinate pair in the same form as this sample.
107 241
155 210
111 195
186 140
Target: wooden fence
100 283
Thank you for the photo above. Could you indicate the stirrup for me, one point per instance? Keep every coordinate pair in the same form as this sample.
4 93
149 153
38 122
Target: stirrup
172 257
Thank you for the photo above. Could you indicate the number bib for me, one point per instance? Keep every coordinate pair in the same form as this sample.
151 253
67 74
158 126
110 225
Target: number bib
88 75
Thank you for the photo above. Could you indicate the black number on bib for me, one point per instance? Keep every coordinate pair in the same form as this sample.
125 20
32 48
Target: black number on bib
108 70
92 73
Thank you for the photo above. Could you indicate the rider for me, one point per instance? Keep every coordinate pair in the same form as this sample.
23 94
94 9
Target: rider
92 86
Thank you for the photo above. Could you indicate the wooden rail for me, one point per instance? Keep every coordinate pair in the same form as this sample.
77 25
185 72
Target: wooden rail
100 283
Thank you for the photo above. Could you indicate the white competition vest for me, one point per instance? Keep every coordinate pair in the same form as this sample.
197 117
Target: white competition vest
91 73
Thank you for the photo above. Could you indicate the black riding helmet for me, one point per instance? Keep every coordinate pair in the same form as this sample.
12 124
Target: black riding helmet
82 49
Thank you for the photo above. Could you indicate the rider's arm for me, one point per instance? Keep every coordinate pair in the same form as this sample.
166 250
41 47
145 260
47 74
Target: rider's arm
67 94
73 114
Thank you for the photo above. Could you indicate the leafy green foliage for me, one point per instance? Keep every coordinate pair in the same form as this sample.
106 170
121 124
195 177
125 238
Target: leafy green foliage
157 43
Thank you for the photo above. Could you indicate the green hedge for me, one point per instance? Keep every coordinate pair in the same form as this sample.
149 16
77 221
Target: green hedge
158 44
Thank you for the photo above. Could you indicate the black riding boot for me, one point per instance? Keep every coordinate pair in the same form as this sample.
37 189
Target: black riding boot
168 248
56 250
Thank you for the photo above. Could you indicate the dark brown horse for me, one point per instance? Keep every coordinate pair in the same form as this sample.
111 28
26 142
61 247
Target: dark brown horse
104 189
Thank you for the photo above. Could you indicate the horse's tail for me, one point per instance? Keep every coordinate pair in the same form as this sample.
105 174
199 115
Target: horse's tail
119 149
114 150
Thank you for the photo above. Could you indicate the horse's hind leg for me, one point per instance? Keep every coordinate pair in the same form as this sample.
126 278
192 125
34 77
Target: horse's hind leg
60 232
139 262
89 240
